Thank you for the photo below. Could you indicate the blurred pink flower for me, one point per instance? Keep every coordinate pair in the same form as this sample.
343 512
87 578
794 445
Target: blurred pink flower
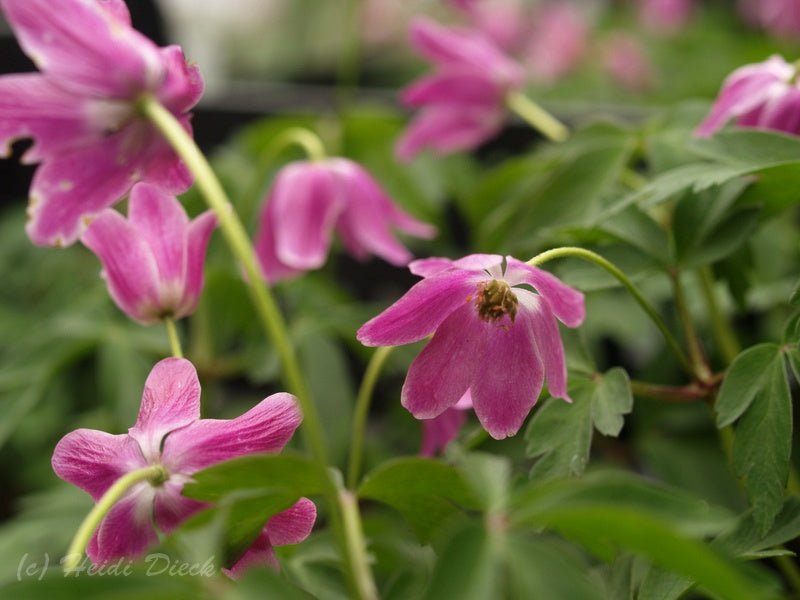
439 431
491 337
463 102
169 432
152 261
762 95
558 42
779 17
503 21
665 16
309 199
81 110
626 61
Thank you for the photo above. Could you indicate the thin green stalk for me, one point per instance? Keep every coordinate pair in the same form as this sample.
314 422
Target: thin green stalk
700 367
363 401
570 251
77 549
268 315
788 567
348 503
669 393
720 326
537 117
174 339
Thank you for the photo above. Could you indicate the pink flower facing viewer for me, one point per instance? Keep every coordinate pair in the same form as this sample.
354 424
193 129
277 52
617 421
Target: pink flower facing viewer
779 17
169 432
439 431
463 102
626 61
81 110
153 260
762 95
491 337
309 199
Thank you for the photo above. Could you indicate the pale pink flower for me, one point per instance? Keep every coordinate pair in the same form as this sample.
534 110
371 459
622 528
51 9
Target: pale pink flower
491 337
81 110
503 21
778 17
439 431
665 16
169 432
462 104
311 199
762 95
153 260
627 62
557 42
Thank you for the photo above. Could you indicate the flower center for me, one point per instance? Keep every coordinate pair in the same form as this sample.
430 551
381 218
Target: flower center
494 300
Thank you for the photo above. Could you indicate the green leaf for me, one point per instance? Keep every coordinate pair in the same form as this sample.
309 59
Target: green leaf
281 472
660 584
426 492
743 381
612 399
489 478
466 567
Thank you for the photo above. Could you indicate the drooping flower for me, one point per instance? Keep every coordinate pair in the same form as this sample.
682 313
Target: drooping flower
170 433
153 260
311 199
779 17
491 337
463 102
439 431
665 16
762 95
81 110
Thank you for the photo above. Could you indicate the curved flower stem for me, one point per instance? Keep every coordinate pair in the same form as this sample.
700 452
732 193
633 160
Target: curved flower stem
723 333
669 393
348 502
570 251
268 315
537 117
363 401
700 368
174 338
154 473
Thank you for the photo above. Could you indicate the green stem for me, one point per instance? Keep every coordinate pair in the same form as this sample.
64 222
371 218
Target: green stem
720 327
537 117
348 503
363 401
788 567
700 368
569 251
174 339
266 309
153 473
669 393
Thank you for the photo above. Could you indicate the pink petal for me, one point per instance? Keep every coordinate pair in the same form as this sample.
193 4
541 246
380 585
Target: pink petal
162 223
32 106
508 378
293 525
446 129
170 508
548 342
127 530
94 460
128 265
438 432
557 43
170 401
267 427
782 111
426 267
566 303
271 266
85 47
200 230
304 204
118 9
183 84
259 554
457 88
447 366
421 310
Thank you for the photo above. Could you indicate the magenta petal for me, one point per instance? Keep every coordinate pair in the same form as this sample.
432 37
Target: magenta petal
447 129
426 267
127 530
271 266
183 85
421 310
94 460
85 47
566 303
200 231
548 342
293 525
782 112
159 164
508 379
161 221
458 88
170 508
118 9
446 367
259 554
266 427
128 264
441 430
170 401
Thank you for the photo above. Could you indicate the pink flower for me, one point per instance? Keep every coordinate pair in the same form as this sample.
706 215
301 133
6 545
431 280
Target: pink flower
625 59
503 21
665 16
779 17
762 95
557 43
492 337
170 433
463 101
81 110
310 199
152 261
439 431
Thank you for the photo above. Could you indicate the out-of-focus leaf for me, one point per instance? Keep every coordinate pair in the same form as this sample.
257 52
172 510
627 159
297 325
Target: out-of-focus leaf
660 584
466 568
743 381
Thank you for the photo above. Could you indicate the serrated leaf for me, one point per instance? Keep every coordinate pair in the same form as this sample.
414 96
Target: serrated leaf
660 584
743 381
426 492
